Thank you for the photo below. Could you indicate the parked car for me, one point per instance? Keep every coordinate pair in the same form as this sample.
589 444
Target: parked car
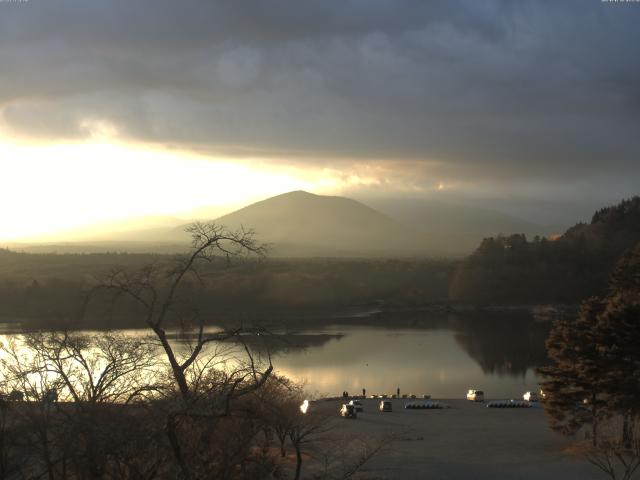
530 397
475 395
348 411
385 406
357 404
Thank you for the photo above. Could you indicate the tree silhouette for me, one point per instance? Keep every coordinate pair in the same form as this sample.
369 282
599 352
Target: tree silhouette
206 392
573 385
595 379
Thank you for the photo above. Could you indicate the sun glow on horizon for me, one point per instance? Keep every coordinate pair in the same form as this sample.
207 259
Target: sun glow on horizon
46 189
84 190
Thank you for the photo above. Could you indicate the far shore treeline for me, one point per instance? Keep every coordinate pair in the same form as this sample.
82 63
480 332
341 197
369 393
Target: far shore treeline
48 290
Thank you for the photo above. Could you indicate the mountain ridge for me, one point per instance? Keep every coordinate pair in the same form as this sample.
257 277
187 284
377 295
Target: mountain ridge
299 223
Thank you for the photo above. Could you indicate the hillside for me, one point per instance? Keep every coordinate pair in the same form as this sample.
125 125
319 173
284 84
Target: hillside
303 224
511 269
456 228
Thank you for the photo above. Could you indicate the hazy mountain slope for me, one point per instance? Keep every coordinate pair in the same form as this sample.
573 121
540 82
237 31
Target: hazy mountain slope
453 226
301 223
90 247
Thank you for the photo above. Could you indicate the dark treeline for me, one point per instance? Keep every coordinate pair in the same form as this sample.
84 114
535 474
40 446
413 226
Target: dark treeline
49 290
513 270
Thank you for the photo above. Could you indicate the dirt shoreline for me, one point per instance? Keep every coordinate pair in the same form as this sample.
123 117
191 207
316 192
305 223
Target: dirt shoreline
467 441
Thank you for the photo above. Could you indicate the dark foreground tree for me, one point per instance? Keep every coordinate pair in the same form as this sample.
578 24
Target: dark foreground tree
595 378
619 336
573 385
208 382
157 289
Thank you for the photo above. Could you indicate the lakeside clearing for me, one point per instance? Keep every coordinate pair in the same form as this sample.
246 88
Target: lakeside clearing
467 441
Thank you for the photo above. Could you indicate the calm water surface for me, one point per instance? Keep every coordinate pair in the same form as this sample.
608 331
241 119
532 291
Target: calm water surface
436 356
415 360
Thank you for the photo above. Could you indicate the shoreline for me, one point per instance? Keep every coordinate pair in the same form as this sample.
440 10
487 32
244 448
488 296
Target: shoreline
463 442
361 314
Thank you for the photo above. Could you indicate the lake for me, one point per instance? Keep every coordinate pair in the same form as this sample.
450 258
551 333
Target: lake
442 355
436 357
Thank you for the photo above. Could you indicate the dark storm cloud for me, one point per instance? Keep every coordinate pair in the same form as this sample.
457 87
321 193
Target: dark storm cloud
494 89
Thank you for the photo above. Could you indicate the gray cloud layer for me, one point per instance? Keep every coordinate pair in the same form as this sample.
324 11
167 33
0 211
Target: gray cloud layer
491 89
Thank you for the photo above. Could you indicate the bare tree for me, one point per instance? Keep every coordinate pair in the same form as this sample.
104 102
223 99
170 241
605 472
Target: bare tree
93 377
25 373
307 428
206 390
344 457
91 369
333 456
156 289
614 454
281 400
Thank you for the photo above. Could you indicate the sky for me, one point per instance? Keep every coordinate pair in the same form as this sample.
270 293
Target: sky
114 109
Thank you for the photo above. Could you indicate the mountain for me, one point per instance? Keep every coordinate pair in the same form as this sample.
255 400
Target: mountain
303 224
456 227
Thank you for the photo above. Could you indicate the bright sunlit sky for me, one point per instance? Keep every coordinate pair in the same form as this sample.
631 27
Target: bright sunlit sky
62 186
115 109
51 188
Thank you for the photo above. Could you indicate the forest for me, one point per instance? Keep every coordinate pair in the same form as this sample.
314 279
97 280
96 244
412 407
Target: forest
511 270
49 290
45 290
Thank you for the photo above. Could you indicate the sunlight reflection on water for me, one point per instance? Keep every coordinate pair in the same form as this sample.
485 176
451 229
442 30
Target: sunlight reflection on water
442 362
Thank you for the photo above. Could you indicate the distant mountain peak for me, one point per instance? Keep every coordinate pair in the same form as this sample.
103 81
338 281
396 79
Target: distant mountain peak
300 223
298 193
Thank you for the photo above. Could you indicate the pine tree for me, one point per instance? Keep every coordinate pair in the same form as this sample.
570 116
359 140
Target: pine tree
625 278
619 339
596 358
573 386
